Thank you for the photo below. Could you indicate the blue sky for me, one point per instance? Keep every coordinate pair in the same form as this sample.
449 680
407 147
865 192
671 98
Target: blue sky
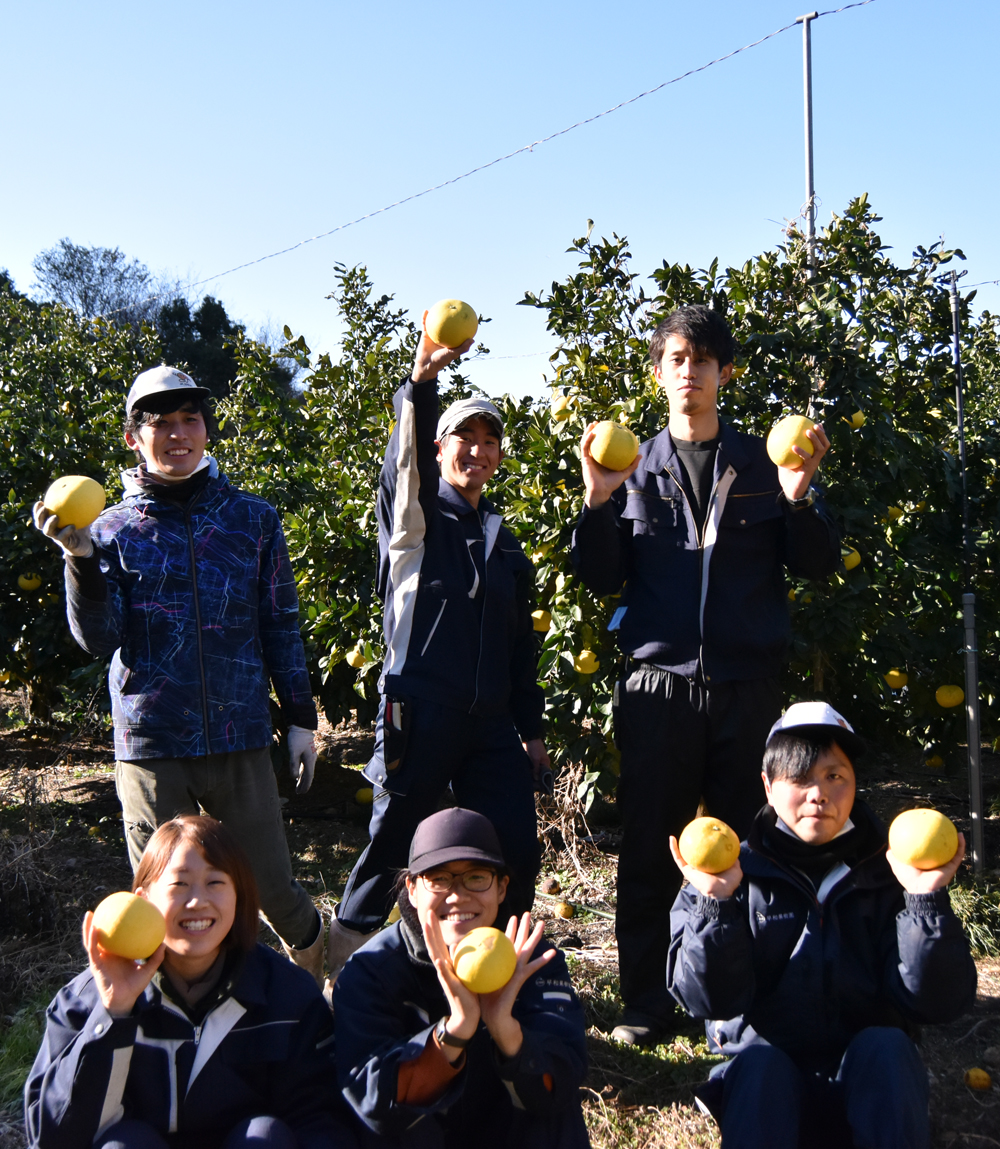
198 136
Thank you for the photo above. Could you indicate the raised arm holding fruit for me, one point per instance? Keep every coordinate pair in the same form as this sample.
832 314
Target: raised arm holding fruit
461 705
696 533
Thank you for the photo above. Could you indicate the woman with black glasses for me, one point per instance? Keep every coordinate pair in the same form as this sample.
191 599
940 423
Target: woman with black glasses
422 1060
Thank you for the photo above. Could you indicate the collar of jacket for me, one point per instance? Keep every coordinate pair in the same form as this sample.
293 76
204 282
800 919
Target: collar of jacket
872 871
458 503
132 488
663 455
241 979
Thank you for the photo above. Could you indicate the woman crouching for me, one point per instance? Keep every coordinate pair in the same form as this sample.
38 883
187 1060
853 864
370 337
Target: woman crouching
424 1061
215 1042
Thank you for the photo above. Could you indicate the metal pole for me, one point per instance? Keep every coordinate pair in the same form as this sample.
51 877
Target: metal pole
971 646
806 21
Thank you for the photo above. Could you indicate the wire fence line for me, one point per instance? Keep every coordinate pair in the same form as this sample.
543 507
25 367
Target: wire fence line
510 155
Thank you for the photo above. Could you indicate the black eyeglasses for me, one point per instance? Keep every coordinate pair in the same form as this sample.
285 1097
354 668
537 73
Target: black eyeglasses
443 881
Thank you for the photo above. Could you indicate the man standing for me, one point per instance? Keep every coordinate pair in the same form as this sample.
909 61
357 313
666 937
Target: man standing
187 583
461 705
699 530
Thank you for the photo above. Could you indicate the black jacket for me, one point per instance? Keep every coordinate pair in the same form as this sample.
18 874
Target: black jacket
773 965
265 1048
454 635
718 598
387 1001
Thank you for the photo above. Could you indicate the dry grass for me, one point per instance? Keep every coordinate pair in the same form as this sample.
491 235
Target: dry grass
61 850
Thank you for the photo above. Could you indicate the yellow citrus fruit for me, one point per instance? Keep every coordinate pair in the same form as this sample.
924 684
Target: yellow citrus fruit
895 513
896 679
851 559
560 408
541 620
129 926
737 372
365 796
978 1079
613 445
394 915
355 658
948 696
921 506
484 960
709 845
450 322
857 420
75 500
935 762
923 838
784 435
29 581
564 910
586 662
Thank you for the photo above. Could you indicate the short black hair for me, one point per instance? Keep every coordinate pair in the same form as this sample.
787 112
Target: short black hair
790 756
706 330
148 410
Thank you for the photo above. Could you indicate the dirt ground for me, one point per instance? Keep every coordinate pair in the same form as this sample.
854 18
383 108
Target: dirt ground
62 850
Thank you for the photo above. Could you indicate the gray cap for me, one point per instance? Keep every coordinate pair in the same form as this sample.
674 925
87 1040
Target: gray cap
160 380
465 409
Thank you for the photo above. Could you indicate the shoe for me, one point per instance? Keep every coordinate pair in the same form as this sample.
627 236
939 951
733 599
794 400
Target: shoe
310 957
639 1029
342 943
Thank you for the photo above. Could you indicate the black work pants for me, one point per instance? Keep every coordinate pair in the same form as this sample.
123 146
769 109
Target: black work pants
483 761
681 742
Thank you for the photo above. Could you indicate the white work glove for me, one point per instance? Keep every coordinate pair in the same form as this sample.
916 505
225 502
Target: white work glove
301 757
70 540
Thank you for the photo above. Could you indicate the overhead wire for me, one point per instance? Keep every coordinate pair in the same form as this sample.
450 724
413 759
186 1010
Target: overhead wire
519 151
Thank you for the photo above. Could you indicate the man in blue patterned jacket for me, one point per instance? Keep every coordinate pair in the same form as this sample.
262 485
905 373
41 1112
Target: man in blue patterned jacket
187 583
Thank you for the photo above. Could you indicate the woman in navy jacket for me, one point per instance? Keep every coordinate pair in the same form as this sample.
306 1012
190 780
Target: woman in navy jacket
213 1042
422 1060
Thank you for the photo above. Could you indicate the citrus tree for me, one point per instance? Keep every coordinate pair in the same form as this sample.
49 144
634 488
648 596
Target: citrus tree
61 395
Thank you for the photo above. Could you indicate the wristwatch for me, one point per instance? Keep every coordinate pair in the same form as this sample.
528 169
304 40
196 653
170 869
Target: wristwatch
443 1037
807 500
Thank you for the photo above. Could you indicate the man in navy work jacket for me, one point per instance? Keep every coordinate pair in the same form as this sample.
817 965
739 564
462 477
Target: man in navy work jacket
699 530
461 704
187 584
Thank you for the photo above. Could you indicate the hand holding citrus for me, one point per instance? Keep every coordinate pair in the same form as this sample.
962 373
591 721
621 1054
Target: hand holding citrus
786 434
75 500
613 446
484 960
923 838
450 322
129 926
709 845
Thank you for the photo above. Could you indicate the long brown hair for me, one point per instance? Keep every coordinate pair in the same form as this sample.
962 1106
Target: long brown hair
221 850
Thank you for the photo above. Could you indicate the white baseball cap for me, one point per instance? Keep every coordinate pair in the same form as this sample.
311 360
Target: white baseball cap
817 717
160 380
465 409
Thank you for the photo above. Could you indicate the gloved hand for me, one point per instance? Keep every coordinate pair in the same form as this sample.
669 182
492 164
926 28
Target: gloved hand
301 757
70 540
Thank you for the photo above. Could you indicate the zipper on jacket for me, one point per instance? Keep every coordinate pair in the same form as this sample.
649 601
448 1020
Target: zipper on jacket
197 622
482 613
197 1035
700 539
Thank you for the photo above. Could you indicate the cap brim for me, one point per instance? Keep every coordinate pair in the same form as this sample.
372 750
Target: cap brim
434 858
162 402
